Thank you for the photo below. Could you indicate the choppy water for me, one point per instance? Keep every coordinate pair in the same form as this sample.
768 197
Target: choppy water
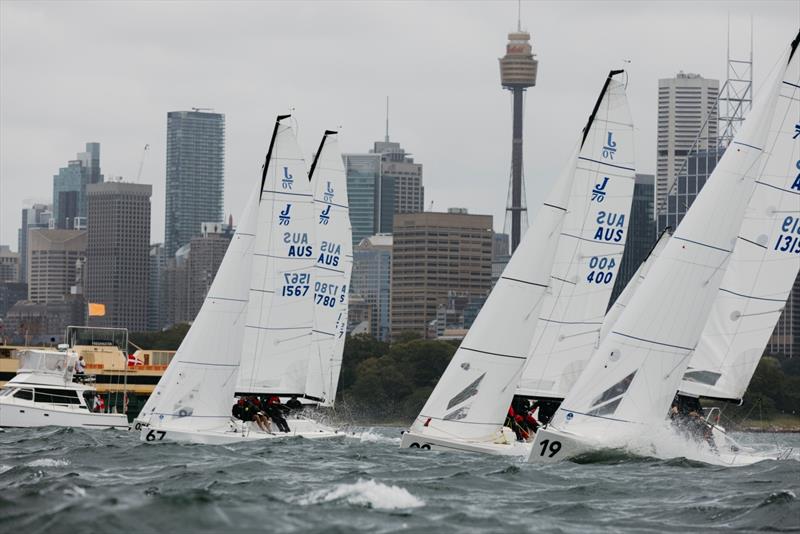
63 480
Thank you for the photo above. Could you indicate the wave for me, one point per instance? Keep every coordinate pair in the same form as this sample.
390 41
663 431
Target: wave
368 493
370 436
48 462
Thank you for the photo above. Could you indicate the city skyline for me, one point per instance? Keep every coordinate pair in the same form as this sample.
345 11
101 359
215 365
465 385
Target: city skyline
456 123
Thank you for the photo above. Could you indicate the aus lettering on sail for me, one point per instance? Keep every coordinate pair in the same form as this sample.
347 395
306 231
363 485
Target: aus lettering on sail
299 246
329 254
610 227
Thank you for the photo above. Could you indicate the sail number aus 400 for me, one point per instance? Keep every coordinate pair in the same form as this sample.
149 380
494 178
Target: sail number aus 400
551 447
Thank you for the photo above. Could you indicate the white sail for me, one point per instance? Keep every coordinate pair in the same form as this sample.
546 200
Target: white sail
633 284
763 267
633 376
196 390
277 337
588 254
331 273
473 395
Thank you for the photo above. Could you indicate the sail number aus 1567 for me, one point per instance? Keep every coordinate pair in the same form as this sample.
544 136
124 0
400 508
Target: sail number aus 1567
295 284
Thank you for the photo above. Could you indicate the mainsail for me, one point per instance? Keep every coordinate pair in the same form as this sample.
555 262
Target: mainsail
763 267
277 336
331 274
589 251
473 395
634 374
196 390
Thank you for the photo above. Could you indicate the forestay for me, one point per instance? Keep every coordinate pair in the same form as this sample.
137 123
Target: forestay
196 390
473 395
763 267
277 337
331 275
589 251
633 376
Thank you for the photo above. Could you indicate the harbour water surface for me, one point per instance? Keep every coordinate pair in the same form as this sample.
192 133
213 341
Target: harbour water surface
64 480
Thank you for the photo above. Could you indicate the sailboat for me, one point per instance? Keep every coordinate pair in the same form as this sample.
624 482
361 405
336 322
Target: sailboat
253 332
622 398
567 260
331 272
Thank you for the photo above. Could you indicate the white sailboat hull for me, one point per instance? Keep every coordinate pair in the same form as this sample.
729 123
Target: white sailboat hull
28 414
414 440
237 431
553 445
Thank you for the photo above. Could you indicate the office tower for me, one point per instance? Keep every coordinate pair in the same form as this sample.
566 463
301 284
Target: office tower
371 281
54 257
365 194
500 255
785 338
205 256
195 174
518 70
176 287
405 176
37 216
69 188
434 256
9 264
687 122
156 302
641 233
118 253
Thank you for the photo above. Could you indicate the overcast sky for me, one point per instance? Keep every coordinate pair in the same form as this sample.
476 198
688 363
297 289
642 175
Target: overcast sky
72 72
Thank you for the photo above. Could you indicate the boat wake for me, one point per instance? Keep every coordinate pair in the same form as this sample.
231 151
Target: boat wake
367 493
371 436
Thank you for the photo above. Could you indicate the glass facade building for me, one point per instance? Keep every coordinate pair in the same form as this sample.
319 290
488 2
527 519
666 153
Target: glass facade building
195 174
364 194
69 188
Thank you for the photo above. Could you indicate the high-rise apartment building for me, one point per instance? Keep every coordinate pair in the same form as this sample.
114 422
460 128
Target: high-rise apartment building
69 188
436 256
687 120
195 174
9 264
37 216
371 280
118 253
641 233
54 257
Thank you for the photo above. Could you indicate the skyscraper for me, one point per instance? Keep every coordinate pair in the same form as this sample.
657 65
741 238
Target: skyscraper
687 120
205 256
371 280
156 302
69 188
518 70
406 176
118 253
53 259
37 216
195 174
9 264
641 233
365 195
434 257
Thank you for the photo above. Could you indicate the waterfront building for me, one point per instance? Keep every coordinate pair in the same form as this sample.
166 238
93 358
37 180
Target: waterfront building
69 188
500 255
37 216
54 258
9 264
641 233
195 174
687 121
371 280
785 338
434 255
176 287
118 253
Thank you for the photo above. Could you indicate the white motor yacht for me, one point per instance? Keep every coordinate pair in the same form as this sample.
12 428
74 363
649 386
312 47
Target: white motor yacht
47 391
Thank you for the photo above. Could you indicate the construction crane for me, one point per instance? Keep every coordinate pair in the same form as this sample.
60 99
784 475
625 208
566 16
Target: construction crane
141 162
